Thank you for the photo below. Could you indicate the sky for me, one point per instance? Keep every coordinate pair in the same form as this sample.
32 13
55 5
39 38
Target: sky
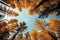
23 16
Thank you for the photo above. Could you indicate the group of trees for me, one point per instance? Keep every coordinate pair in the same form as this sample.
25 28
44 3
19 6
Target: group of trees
41 7
48 31
6 28
6 9
45 31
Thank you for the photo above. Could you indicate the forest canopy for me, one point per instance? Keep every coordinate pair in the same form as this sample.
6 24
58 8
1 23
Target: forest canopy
13 29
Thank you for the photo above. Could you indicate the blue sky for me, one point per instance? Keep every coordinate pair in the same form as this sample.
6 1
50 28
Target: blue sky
23 16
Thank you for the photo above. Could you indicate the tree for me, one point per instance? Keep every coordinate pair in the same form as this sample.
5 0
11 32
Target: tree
8 11
54 27
27 36
5 28
20 29
52 31
41 24
46 7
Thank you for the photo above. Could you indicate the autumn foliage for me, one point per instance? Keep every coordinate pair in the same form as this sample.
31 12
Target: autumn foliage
54 24
42 31
31 4
34 34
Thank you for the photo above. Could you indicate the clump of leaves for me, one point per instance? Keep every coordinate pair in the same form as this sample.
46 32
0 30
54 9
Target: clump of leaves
52 31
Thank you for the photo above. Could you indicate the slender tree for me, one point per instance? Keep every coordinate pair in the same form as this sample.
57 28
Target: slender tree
20 29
